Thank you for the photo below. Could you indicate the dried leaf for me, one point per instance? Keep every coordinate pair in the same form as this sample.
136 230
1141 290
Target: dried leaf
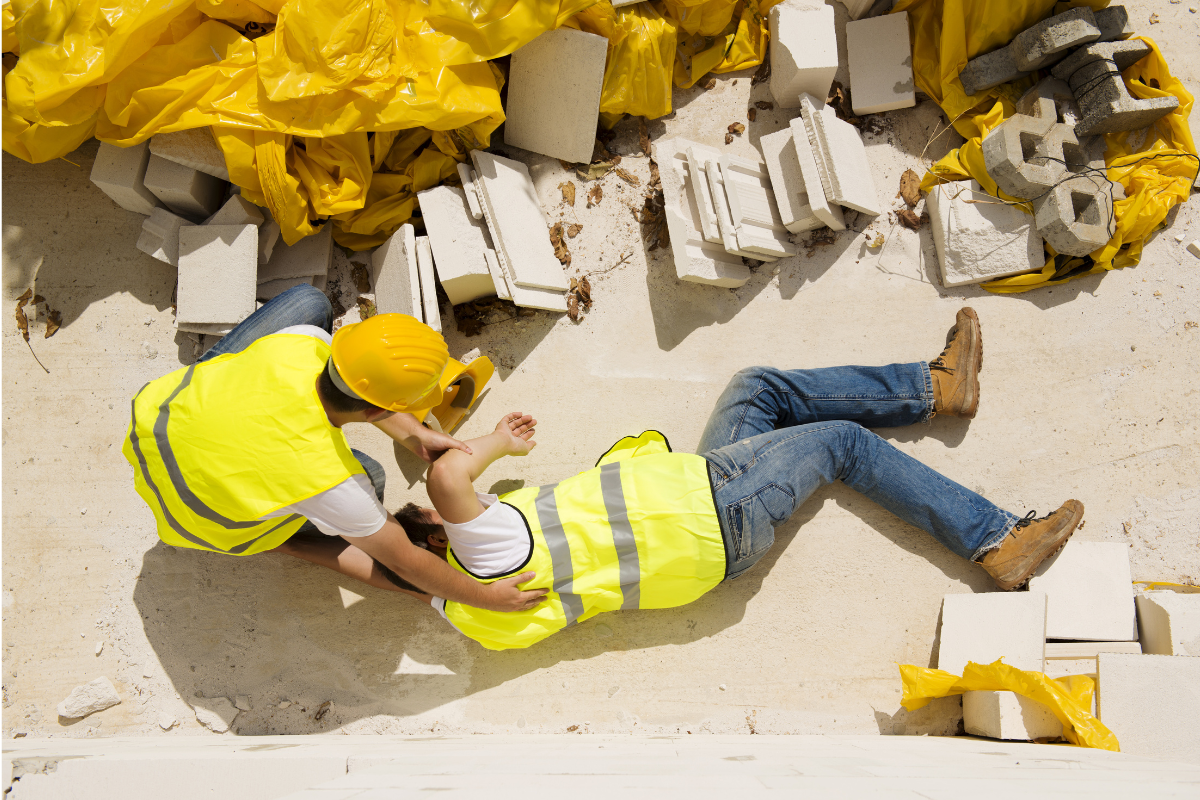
366 307
908 219
362 278
736 128
729 138
22 320
762 73
567 165
763 105
574 230
585 292
839 100
655 179
711 83
322 710
822 237
877 242
53 322
560 248
628 177
591 172
573 308
568 192
1154 19
644 136
595 195
751 113
910 187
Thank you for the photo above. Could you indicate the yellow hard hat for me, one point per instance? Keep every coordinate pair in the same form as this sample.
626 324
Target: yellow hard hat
390 360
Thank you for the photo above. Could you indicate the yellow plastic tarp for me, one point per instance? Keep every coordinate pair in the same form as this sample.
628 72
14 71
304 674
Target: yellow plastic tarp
1156 171
1070 699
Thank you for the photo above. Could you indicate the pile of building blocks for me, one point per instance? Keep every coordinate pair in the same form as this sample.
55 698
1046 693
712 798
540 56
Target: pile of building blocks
1079 617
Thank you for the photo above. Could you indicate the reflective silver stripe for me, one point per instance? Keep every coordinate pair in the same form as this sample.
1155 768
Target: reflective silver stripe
560 553
622 533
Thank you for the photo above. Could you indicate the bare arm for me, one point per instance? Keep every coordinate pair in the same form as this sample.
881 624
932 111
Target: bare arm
452 477
426 443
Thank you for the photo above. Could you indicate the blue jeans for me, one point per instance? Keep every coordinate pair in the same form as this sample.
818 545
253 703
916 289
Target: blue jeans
776 436
300 305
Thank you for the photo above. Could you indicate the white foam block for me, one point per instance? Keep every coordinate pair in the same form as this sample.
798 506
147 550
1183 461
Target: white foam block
985 627
881 77
554 85
1169 623
458 242
804 56
752 206
217 266
841 157
1090 592
823 208
978 237
517 223
187 192
395 276
787 181
311 255
1151 704
160 236
429 299
1008 715
120 172
195 148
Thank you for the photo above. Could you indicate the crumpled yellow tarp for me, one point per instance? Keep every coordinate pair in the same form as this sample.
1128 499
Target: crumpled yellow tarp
1154 171
1070 698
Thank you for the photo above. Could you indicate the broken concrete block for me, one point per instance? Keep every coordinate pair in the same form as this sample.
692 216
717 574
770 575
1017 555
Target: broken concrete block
215 713
988 70
89 698
517 223
1169 623
1008 715
756 220
1047 42
696 259
716 187
841 157
458 242
1194 248
1024 155
787 181
1151 704
237 211
497 273
554 85
268 236
1100 90
1075 217
467 176
429 299
880 56
823 207
979 237
858 8
217 267
187 192
1090 592
160 236
1050 98
395 275
1113 23
120 172
698 157
985 627
1072 651
311 255
195 148
804 55
242 703
272 289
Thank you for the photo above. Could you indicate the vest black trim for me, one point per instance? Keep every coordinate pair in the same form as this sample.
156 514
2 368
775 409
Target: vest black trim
514 570
640 435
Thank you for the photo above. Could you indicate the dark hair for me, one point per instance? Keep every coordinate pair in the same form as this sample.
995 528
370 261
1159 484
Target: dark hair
337 398
416 523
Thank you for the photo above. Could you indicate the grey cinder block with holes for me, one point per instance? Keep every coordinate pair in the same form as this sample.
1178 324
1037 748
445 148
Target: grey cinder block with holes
1046 42
1094 75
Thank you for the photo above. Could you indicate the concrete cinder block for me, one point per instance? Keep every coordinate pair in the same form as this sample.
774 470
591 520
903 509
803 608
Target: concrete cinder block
429 299
217 268
272 289
160 236
841 157
756 219
120 173
1050 98
237 211
978 237
395 276
1113 23
823 207
880 57
804 56
1047 42
195 148
985 627
1151 704
787 181
1008 715
1024 154
309 256
458 242
517 223
187 192
554 86
1090 592
467 176
988 70
1076 217
1169 623
1100 90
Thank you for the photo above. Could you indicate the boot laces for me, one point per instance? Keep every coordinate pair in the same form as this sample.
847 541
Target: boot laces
939 363
1029 519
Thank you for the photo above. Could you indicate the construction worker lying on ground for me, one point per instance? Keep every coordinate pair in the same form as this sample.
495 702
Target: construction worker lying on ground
648 528
244 449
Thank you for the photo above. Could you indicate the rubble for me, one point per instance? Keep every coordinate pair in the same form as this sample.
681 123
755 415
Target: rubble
988 70
395 277
237 211
458 242
467 176
756 220
217 266
195 148
1169 623
880 56
1100 91
979 237
429 301
804 55
1089 592
310 256
1046 43
841 157
120 173
1008 715
89 698
1150 702
187 192
985 627
787 181
160 236
822 206
215 713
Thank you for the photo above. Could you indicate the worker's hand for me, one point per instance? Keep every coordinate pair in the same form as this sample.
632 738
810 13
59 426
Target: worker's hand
429 444
505 596
517 430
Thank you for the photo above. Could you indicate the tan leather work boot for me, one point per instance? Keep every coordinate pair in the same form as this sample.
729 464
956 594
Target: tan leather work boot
955 372
1030 543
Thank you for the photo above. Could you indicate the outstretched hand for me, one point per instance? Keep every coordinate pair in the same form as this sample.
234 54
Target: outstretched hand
505 596
517 431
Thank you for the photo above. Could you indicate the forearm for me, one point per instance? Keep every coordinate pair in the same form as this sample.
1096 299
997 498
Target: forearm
340 556
401 427
432 575
484 451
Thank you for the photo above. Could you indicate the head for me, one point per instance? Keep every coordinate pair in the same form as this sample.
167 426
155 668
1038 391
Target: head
339 401
424 528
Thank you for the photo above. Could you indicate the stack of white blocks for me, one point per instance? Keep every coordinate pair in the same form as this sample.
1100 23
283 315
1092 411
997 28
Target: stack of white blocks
306 261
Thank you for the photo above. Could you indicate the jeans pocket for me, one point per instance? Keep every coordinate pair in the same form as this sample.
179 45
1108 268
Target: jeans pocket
753 519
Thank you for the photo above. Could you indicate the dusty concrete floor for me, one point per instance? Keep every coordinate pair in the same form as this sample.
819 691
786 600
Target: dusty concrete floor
1089 391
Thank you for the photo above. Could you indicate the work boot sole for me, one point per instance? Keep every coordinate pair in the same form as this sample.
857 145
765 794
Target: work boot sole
972 357
1068 529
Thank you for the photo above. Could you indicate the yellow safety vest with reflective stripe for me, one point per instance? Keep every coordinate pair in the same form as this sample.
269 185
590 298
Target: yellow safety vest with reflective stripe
218 445
639 530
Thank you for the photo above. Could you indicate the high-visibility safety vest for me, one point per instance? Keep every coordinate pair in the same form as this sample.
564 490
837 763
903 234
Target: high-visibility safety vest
639 530
218 445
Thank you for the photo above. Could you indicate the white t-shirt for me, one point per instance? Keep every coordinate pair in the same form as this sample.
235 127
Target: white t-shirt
348 509
495 543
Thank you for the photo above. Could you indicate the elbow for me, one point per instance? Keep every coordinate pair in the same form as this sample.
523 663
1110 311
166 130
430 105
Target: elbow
445 473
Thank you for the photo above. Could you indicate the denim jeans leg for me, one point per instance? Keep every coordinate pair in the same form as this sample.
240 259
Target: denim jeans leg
760 481
300 305
762 399
378 481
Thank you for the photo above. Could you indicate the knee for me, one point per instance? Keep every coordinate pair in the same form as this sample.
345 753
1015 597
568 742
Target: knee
374 471
312 306
746 376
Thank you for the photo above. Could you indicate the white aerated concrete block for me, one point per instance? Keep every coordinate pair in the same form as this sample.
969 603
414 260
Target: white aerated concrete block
804 55
978 237
309 256
1062 667
523 296
823 207
429 299
787 181
881 77
237 211
120 173
985 627
1169 623
395 275
554 85
195 148
467 176
841 157
517 223
272 289
458 242
217 267
160 236
1008 715
716 186
752 206
698 156
1151 704
269 234
187 192
1090 592
1065 651
858 8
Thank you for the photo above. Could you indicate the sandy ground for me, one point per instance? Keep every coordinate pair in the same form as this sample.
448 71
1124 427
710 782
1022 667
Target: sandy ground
1088 391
